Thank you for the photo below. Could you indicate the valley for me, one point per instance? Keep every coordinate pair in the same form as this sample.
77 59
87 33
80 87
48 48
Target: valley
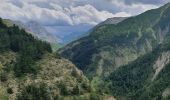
121 58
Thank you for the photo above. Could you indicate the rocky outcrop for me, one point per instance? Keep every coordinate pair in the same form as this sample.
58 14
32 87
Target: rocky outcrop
160 63
166 93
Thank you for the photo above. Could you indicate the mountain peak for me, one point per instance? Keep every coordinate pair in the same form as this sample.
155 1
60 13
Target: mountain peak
167 5
113 20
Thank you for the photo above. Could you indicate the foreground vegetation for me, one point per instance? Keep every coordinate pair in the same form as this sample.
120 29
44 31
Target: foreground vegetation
29 70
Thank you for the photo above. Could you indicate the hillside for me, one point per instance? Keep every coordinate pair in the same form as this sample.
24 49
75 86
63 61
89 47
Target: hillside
147 78
29 70
110 46
56 78
37 30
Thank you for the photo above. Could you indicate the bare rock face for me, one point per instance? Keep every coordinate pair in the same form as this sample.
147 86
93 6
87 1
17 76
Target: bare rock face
166 92
160 63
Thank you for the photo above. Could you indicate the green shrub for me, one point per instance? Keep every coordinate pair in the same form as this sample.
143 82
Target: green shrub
35 92
3 76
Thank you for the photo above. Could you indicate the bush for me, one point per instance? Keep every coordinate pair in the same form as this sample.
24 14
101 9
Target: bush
63 89
35 92
3 76
10 91
94 96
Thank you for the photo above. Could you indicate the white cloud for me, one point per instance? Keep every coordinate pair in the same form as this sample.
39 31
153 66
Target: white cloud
87 14
70 12
65 17
134 8
33 12
57 16
122 14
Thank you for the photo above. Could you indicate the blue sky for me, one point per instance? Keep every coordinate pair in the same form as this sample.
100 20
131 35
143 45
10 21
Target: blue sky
69 14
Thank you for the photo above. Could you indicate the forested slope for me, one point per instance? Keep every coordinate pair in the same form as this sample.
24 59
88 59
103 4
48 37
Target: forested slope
28 70
110 46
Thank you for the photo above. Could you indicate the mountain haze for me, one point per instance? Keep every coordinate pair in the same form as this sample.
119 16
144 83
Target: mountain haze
35 29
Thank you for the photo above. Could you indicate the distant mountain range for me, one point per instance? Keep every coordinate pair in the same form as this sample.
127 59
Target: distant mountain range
68 34
60 35
35 29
